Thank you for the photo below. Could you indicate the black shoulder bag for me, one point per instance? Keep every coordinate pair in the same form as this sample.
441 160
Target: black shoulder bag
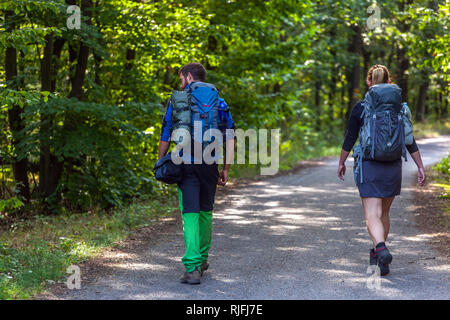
168 172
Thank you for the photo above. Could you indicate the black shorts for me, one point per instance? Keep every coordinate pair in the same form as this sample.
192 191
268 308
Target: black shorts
198 187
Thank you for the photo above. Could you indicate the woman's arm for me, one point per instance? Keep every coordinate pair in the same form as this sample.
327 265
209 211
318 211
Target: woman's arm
354 124
415 154
341 166
413 147
420 169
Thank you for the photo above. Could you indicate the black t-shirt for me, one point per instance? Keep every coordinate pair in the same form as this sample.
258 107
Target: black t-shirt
354 124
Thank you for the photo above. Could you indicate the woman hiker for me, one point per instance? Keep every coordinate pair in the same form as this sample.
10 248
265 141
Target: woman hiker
378 182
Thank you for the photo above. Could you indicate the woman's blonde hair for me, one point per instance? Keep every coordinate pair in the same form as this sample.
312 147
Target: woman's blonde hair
378 74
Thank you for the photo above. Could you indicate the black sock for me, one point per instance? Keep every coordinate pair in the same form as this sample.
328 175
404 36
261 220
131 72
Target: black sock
381 244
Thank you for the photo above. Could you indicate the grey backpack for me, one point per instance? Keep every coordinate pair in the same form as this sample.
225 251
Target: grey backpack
386 128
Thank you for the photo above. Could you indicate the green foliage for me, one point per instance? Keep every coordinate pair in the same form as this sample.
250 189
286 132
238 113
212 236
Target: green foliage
443 166
442 178
81 120
37 252
10 204
29 267
278 64
104 149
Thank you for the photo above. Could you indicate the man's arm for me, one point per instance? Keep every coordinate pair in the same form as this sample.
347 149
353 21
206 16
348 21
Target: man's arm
164 140
229 144
229 156
163 147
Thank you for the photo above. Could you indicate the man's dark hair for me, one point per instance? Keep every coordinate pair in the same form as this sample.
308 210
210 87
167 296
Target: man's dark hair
196 69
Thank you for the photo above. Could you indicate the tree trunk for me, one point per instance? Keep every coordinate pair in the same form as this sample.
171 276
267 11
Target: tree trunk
402 59
366 61
332 96
97 61
402 77
20 167
80 72
317 104
443 99
50 166
333 83
57 49
167 74
342 111
212 47
45 189
130 57
354 74
445 107
82 59
422 97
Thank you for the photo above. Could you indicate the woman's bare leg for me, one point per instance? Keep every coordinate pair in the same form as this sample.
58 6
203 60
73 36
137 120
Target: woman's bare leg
373 211
386 206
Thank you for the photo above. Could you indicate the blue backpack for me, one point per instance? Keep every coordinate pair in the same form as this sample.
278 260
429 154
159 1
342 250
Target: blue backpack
386 128
200 102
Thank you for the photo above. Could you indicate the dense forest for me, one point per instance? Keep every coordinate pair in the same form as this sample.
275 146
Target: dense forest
81 106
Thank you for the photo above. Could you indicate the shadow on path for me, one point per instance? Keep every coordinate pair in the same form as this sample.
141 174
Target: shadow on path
299 236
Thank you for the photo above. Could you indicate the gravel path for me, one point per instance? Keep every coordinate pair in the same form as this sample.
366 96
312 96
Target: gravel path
298 236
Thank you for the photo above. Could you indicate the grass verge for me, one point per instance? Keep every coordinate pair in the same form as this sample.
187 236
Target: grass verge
431 128
432 203
36 252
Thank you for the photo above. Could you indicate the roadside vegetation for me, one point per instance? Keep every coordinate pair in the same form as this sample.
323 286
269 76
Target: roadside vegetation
432 206
36 251
81 107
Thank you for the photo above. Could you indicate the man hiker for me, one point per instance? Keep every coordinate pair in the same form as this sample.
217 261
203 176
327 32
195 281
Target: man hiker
197 188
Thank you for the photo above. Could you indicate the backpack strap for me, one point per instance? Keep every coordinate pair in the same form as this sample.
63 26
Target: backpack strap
387 119
401 127
360 164
358 153
373 127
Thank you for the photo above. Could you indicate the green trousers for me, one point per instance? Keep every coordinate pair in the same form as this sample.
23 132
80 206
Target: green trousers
197 229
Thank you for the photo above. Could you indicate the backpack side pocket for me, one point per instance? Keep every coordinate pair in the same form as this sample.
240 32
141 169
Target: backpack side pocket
181 110
406 115
409 139
357 154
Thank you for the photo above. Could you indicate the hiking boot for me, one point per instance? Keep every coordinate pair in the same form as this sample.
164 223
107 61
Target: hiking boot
192 277
204 267
384 258
373 258
384 269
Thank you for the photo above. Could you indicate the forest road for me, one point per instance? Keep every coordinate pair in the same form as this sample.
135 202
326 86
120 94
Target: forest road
297 236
